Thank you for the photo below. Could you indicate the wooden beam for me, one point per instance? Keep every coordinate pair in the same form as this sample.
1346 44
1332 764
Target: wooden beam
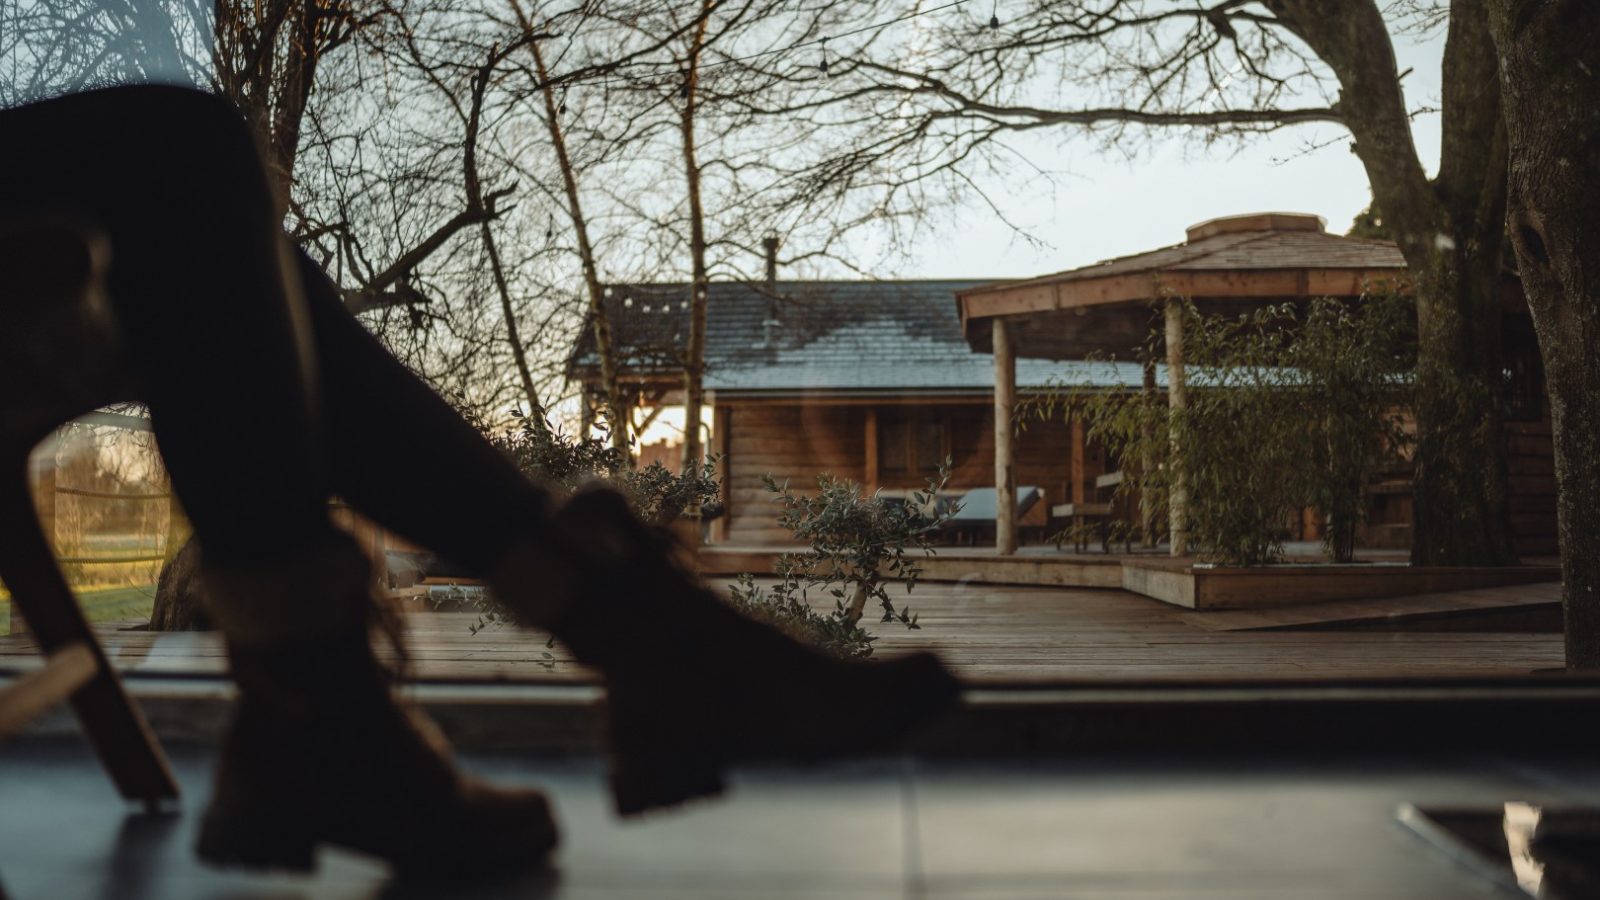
1078 293
1177 402
870 483
109 719
1005 477
65 671
814 399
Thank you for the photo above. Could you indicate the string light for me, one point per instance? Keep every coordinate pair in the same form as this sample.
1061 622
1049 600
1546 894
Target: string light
824 66
994 16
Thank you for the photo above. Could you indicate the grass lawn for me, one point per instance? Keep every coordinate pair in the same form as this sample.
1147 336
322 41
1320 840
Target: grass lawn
101 604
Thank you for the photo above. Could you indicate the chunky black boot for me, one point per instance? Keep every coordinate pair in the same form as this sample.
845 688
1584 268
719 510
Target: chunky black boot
692 685
320 752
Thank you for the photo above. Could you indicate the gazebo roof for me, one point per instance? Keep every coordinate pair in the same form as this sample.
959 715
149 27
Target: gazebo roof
1227 265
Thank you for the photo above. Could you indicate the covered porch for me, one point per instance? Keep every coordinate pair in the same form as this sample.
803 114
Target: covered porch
1111 309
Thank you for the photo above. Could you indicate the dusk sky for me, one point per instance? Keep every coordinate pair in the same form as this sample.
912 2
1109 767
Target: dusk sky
1104 205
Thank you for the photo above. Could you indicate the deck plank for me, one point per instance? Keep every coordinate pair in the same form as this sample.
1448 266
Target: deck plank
987 632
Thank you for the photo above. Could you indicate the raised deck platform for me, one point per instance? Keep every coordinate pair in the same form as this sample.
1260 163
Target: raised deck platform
1037 566
1180 582
1191 586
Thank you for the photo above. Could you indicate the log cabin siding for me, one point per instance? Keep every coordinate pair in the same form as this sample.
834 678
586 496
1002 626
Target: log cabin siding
798 442
790 442
1530 460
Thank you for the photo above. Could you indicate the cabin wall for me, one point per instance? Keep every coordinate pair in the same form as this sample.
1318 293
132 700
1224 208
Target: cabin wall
791 442
797 442
1531 487
1531 461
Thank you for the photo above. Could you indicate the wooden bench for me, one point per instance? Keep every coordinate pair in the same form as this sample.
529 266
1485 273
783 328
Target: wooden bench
59 345
1079 513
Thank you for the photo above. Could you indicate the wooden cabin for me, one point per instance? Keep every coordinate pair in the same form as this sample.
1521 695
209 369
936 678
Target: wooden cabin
866 380
878 381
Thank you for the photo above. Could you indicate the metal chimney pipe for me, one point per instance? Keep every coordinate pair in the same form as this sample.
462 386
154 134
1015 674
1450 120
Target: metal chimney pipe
770 244
771 325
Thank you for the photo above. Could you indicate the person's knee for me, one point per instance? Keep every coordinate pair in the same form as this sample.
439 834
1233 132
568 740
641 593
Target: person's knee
192 122
197 151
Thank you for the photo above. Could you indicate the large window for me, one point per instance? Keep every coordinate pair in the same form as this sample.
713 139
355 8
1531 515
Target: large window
912 444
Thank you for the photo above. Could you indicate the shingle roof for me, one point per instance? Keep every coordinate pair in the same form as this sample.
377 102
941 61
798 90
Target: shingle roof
1253 250
829 335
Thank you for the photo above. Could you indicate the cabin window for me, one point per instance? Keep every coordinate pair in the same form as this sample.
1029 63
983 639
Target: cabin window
912 445
1523 382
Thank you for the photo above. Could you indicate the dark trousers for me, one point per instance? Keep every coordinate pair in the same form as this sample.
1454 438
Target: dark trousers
265 395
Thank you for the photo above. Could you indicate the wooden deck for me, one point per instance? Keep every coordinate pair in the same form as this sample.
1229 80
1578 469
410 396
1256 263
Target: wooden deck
990 632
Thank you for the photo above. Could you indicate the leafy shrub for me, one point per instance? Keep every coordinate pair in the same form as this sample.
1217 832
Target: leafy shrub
1354 388
858 544
784 606
549 455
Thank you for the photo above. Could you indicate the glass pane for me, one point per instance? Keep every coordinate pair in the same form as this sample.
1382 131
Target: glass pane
893 437
930 443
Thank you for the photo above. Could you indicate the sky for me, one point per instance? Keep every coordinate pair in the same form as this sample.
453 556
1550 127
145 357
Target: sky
1104 205
1101 204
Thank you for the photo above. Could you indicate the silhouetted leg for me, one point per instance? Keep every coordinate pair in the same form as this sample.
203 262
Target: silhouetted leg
214 331
402 456
319 752
223 347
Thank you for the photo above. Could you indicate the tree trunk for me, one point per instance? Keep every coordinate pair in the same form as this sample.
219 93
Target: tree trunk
1449 232
477 201
180 601
274 101
858 603
1551 78
519 354
599 318
694 356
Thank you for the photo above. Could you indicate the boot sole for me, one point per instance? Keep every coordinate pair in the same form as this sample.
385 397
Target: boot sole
641 783
254 843
645 781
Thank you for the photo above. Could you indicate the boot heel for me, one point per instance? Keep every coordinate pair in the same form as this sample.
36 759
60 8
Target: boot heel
239 842
640 783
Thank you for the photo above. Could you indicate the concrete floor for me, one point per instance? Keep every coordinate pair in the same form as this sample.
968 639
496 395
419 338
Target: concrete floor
1139 828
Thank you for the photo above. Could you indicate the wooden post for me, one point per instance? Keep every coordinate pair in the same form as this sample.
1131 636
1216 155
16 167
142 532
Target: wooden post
1080 448
1005 478
722 433
869 483
1147 500
1177 401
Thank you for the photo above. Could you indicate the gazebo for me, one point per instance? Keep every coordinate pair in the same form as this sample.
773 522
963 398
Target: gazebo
1226 266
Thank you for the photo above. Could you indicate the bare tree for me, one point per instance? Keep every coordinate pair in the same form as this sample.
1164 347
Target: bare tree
1229 68
694 362
599 317
265 57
